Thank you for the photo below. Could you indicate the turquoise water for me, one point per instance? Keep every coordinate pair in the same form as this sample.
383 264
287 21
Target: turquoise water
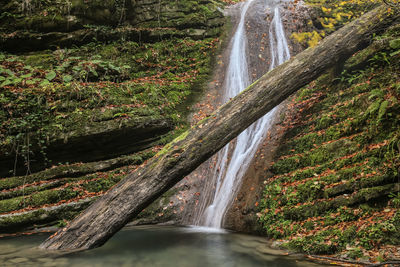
154 246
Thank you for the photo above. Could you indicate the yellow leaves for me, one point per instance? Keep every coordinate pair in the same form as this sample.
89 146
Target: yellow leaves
334 14
326 10
328 23
299 37
310 39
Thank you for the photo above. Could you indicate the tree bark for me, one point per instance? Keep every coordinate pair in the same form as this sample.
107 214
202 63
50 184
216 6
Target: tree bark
125 201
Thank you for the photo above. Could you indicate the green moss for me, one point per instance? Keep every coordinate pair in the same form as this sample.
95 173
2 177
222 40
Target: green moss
159 209
36 200
41 217
338 167
87 90
97 86
73 170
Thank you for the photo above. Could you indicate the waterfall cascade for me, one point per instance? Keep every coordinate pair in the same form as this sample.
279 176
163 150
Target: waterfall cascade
234 159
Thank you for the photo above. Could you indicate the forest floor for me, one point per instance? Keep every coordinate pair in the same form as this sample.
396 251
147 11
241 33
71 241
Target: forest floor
334 187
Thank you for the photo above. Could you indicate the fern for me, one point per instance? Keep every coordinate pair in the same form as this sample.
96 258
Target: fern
382 110
375 106
376 93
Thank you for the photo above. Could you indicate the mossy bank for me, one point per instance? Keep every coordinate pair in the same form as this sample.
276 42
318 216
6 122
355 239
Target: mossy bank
335 183
76 116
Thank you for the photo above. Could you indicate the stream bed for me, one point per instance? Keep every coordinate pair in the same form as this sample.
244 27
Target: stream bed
154 246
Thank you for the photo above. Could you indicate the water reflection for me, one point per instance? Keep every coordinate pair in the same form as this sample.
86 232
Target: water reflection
152 246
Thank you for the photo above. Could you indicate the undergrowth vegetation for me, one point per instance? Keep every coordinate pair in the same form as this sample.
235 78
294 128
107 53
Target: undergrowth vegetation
46 93
94 90
330 16
336 181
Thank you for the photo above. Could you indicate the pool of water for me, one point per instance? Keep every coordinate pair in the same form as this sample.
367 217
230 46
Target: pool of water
154 246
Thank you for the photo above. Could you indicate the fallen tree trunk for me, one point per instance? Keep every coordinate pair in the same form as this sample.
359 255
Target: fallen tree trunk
125 201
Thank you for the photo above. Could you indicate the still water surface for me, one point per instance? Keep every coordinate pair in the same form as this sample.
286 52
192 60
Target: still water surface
154 246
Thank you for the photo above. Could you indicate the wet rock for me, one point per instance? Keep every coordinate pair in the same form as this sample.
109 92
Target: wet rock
267 250
45 260
18 260
7 249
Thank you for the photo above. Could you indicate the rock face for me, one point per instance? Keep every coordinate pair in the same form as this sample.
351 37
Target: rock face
71 15
242 214
95 142
32 25
188 15
188 202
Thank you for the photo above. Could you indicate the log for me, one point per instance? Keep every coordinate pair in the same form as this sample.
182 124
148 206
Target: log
120 205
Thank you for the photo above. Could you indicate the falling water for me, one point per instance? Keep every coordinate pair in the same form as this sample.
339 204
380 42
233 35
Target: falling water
277 40
229 173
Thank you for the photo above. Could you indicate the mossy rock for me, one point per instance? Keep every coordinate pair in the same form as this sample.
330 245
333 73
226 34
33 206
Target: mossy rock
73 15
98 141
41 217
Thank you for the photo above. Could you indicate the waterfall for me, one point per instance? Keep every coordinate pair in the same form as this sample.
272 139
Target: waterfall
277 40
234 159
237 79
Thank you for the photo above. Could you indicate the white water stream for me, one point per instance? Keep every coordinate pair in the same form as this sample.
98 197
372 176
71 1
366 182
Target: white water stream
233 160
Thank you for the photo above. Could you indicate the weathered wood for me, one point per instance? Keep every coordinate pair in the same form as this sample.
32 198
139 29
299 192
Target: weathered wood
110 213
